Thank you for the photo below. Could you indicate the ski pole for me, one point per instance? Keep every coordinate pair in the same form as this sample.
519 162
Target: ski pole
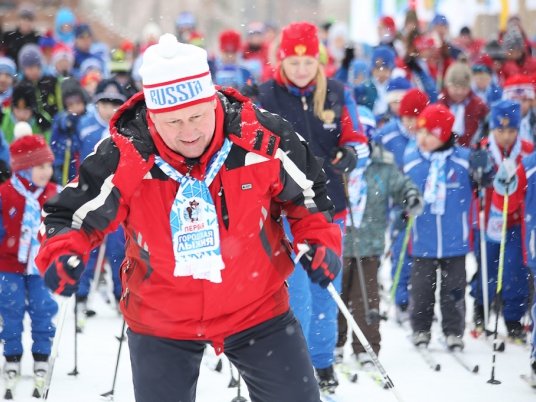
483 253
401 257
363 339
233 382
238 397
493 380
98 268
110 394
371 316
55 345
75 369
302 250
66 163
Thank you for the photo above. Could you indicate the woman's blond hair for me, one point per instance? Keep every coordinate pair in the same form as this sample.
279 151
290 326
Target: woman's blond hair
321 89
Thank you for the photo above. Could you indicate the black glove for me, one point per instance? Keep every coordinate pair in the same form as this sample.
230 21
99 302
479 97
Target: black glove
343 159
64 273
413 204
481 167
322 264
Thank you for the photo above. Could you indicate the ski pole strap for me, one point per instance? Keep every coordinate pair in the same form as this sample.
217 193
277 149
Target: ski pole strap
503 242
402 256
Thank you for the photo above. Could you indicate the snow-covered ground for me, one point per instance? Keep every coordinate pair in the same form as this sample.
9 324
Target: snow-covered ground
414 381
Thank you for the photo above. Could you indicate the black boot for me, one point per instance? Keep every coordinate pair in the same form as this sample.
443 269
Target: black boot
478 316
327 381
516 332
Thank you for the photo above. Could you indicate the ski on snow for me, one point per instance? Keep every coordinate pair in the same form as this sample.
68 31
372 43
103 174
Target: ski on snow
425 353
460 357
527 378
10 384
352 374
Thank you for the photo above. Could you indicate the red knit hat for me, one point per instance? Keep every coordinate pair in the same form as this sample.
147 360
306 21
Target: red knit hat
29 151
519 86
230 41
413 103
389 23
437 120
299 39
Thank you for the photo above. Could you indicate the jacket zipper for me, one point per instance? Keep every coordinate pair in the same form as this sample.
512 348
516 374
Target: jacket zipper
224 211
305 114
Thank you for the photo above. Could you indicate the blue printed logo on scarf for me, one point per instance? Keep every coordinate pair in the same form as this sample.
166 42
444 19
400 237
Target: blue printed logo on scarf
194 222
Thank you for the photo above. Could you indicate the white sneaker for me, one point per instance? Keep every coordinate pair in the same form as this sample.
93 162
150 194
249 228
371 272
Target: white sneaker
11 370
40 374
455 342
40 368
421 338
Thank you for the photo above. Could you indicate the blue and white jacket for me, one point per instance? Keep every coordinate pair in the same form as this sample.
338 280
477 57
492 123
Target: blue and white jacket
394 138
447 235
92 130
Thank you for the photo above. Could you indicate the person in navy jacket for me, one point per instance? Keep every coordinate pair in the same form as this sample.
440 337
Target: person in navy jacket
440 236
324 113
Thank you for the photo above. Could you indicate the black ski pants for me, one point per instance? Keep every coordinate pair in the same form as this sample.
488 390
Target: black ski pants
272 357
452 294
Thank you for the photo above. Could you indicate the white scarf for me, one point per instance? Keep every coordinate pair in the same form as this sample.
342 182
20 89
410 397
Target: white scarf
31 220
357 195
495 218
458 110
194 223
496 153
435 189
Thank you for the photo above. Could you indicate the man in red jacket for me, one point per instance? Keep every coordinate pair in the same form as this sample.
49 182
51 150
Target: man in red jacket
199 179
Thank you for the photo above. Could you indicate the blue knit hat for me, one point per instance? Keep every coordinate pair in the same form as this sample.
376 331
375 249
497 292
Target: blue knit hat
383 56
357 68
396 89
7 66
505 113
439 19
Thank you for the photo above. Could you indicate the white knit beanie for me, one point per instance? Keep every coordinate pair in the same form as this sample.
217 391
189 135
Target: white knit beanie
175 75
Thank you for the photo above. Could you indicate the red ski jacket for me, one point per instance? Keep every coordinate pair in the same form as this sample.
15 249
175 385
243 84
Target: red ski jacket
12 209
268 171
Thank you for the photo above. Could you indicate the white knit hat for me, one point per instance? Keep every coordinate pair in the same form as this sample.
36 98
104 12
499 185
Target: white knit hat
175 75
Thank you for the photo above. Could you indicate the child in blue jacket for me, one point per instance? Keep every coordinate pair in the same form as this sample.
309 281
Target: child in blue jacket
440 236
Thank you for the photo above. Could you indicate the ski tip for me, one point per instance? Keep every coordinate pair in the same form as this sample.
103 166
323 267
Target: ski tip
500 346
36 393
354 377
437 367
219 366
475 369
